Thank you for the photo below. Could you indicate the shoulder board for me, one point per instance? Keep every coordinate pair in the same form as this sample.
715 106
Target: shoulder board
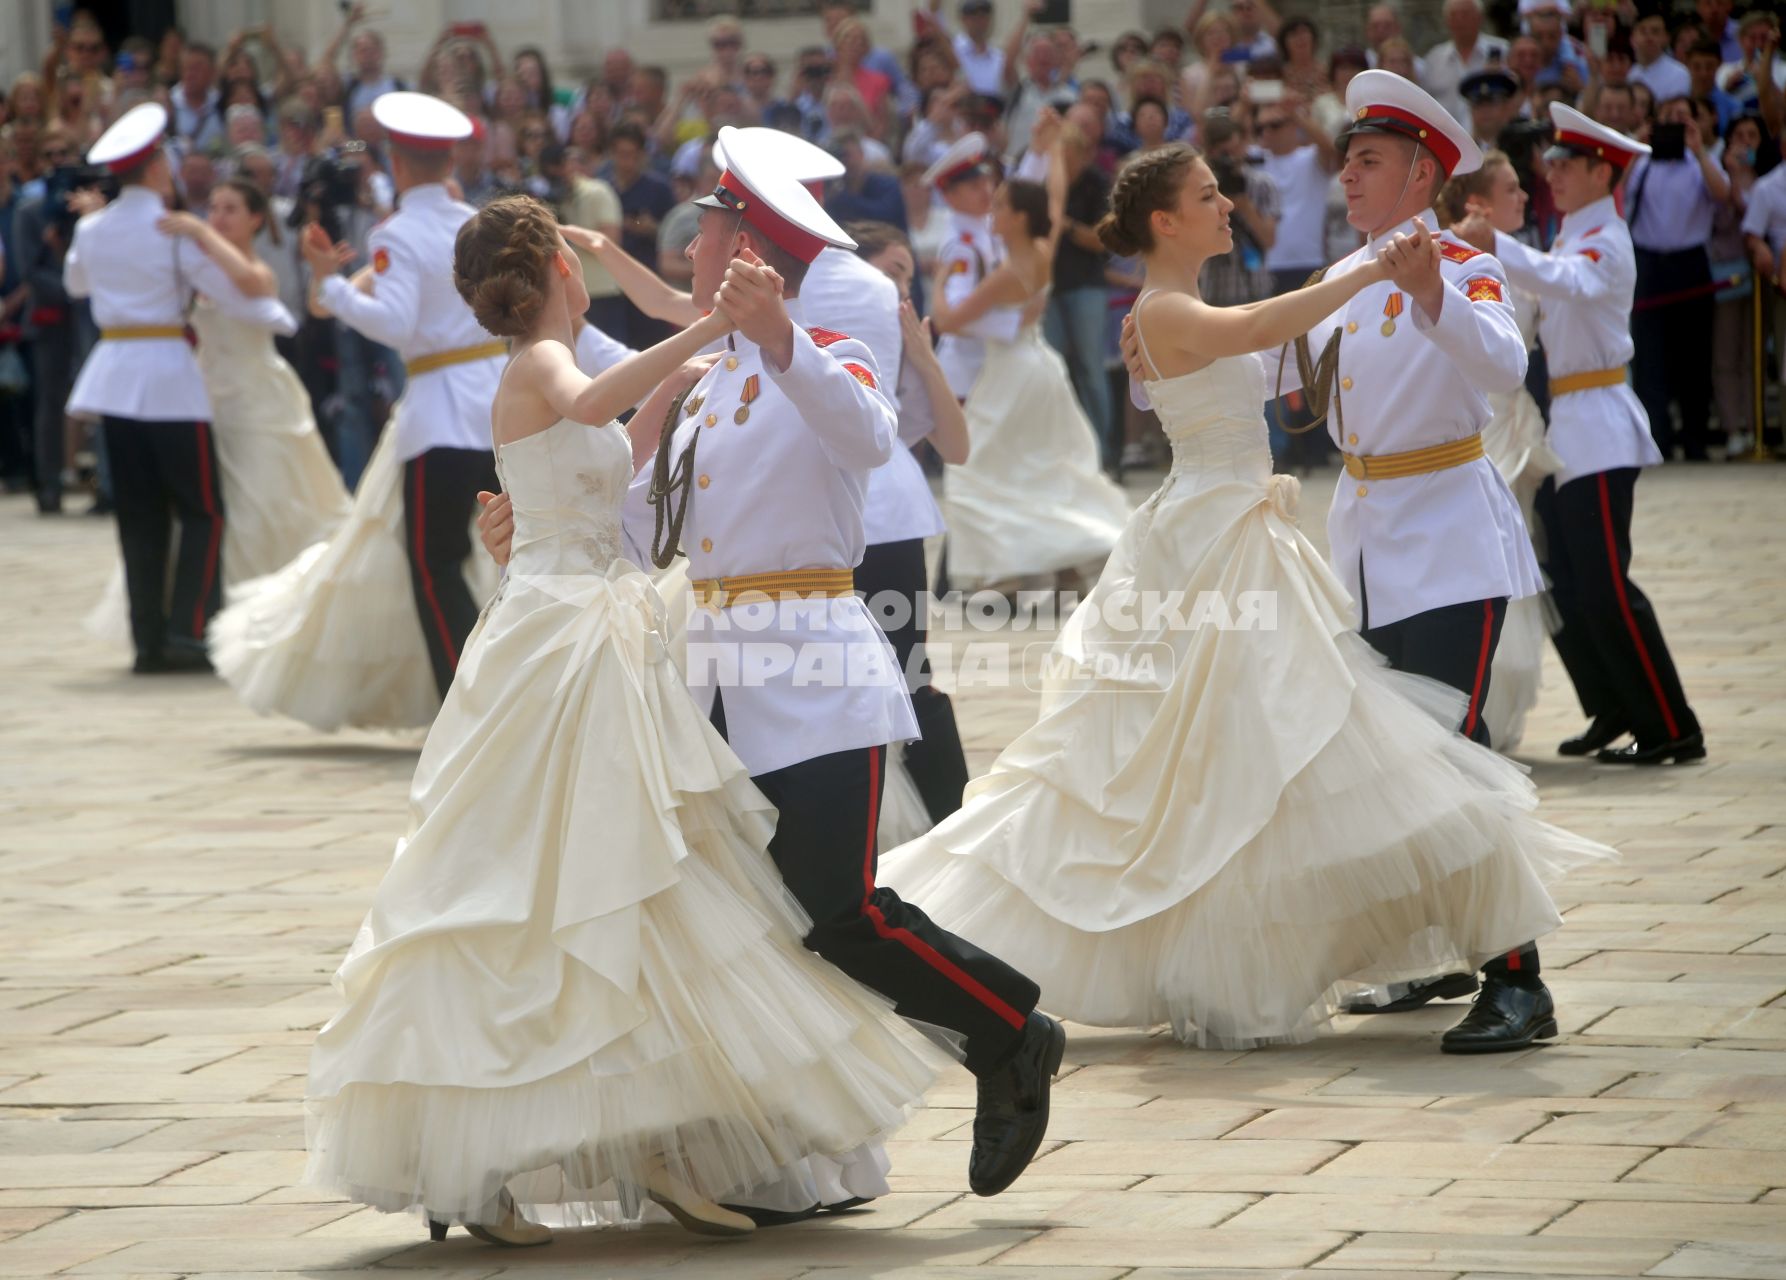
1452 251
859 373
825 337
1591 254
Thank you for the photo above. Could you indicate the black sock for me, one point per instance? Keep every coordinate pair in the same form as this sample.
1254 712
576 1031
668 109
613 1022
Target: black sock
1517 967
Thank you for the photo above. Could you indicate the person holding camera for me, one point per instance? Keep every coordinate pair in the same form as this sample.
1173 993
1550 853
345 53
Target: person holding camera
42 225
1239 275
1671 197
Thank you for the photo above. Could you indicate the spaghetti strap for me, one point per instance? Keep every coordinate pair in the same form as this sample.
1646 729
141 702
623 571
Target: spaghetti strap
1140 337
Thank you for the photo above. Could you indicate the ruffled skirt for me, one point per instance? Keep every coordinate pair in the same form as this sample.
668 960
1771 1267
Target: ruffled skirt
1031 498
582 959
1227 816
332 639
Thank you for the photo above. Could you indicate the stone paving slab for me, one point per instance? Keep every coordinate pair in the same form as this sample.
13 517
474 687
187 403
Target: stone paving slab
180 879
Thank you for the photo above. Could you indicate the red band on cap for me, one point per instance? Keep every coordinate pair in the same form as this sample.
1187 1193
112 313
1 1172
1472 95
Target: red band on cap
124 164
1599 147
1411 125
949 175
415 142
782 233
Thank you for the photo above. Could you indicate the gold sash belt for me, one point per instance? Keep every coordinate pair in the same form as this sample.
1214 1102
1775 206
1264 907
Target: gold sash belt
1415 462
130 332
783 584
1587 381
458 355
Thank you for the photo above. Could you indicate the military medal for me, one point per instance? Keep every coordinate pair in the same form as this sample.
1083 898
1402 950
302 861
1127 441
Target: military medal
746 396
1391 310
693 407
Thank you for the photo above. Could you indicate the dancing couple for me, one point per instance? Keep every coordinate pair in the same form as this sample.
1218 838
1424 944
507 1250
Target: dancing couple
582 983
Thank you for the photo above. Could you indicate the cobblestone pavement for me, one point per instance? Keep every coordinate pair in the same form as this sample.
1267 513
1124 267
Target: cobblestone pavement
180 879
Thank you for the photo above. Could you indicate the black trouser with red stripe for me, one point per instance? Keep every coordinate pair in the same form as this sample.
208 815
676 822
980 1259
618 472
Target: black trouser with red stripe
1609 641
160 471
1455 643
440 489
824 846
935 761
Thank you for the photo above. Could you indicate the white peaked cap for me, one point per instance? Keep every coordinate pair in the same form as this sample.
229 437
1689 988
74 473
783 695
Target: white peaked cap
1382 102
961 159
131 139
420 120
757 185
803 161
1576 134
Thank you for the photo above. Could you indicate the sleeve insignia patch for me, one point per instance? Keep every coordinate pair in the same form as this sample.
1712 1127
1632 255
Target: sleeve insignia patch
1483 289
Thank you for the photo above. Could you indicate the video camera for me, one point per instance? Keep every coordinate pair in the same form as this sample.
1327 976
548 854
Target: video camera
63 181
330 185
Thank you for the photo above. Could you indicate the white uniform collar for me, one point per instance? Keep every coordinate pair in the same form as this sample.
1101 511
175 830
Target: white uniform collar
796 313
1598 213
136 193
968 224
426 192
1375 245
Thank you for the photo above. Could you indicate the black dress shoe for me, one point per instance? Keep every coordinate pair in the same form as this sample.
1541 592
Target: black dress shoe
844 1206
49 504
775 1217
1420 994
149 664
186 658
1011 1117
1505 1017
1680 751
1602 733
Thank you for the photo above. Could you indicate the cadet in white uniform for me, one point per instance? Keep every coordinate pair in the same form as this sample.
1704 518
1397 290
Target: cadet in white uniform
966 256
961 177
452 365
1609 640
841 291
762 484
143 382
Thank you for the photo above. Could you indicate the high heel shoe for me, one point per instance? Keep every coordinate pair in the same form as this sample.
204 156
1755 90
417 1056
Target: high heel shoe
691 1209
508 1228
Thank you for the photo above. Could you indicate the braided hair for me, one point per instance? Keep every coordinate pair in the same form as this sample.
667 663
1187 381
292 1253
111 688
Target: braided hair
1149 182
500 261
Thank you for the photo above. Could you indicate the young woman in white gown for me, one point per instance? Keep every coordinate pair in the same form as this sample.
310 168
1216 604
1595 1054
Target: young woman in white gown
582 979
330 639
281 490
1220 818
1031 499
1515 441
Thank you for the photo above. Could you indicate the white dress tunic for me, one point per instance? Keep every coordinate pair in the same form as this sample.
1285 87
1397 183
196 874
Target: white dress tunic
1421 542
805 678
138 276
1587 282
415 308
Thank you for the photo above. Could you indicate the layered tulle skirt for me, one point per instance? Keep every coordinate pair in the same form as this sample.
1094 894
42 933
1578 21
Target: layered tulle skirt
1031 499
332 638
1515 442
1232 811
582 960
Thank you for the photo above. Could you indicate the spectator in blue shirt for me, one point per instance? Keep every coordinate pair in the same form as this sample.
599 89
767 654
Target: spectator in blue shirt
863 193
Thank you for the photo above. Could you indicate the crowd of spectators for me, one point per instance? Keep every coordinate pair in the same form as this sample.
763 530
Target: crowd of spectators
622 147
